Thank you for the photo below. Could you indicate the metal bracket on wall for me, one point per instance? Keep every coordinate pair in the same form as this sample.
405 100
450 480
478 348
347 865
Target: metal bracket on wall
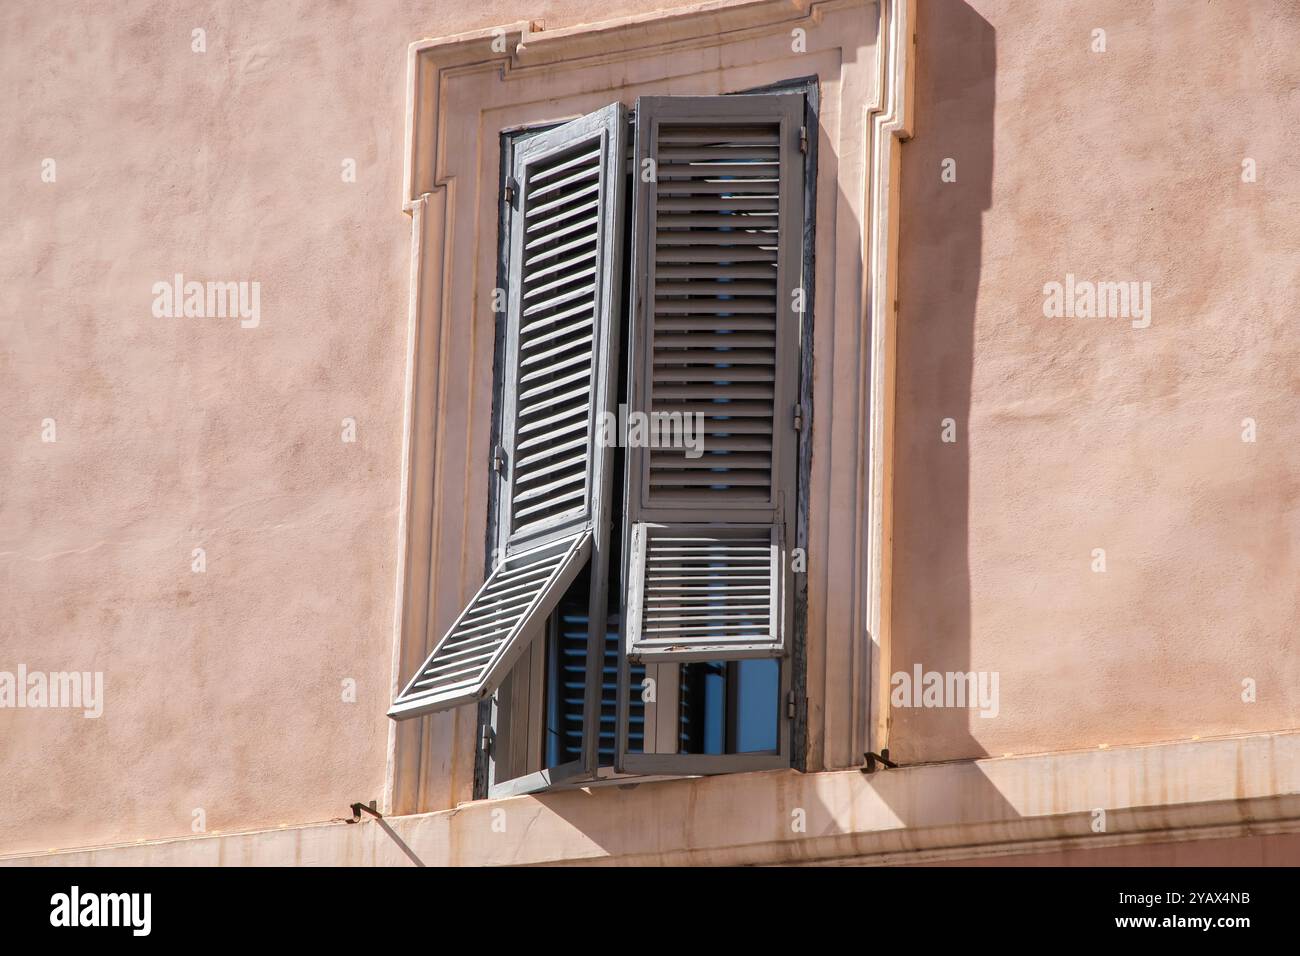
877 758
373 810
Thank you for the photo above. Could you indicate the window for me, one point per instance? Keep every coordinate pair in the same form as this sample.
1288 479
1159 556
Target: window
637 618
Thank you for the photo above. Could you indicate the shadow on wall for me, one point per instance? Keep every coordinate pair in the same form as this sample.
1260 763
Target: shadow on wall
940 253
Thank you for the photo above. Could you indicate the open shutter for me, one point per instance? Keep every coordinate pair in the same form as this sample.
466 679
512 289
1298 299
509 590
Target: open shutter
495 627
565 246
717 272
704 593
565 251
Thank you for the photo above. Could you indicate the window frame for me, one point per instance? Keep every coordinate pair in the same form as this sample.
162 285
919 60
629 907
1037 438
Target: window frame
791 702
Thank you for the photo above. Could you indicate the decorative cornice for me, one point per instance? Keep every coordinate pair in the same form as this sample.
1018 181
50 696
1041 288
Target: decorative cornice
526 44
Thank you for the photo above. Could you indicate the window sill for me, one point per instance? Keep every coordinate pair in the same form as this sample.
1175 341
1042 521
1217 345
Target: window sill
935 813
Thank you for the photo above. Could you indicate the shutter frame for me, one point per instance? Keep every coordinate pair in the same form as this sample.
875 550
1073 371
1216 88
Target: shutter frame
716 113
700 511
549 569
580 535
605 129
735 590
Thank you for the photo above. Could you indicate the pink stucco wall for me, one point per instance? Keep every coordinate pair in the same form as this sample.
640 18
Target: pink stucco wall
224 689
1079 434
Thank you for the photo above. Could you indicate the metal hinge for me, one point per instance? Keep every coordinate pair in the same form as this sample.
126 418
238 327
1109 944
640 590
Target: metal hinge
485 740
803 139
789 705
498 459
798 418
510 191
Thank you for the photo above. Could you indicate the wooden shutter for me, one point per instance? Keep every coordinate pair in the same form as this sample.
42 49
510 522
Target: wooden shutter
716 322
565 250
705 593
495 627
564 257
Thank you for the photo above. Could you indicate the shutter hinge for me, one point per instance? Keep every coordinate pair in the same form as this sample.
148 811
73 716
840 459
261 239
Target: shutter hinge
789 705
803 139
798 418
485 740
510 191
498 459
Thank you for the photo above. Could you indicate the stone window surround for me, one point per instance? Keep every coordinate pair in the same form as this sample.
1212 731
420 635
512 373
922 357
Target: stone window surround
462 91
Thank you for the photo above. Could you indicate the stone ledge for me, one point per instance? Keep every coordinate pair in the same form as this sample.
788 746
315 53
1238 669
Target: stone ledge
1193 790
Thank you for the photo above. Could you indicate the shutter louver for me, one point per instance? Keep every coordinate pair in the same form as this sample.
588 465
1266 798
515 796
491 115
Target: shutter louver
717 263
566 245
705 593
563 264
716 221
493 630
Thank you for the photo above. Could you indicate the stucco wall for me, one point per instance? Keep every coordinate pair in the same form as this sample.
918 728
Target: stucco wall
1080 434
223 689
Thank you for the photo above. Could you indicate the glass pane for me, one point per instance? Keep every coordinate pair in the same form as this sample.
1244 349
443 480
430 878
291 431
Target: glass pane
730 707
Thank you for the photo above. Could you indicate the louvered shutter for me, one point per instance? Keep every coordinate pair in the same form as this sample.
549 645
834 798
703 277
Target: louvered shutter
565 246
717 271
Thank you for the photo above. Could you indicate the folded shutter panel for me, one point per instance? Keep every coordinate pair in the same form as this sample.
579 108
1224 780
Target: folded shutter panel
563 265
717 262
495 627
702 593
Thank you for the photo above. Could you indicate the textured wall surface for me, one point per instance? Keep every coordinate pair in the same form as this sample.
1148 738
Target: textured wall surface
223 689
1077 434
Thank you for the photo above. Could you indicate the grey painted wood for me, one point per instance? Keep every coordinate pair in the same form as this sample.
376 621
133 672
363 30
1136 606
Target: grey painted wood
563 298
495 628
698 283
564 161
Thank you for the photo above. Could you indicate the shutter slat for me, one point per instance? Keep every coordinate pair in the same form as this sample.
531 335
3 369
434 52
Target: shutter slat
585 159
717 187
740 220
716 288
569 199
556 504
547 235
541 424
556 268
545 229
724 270
749 204
735 134
721 254
539 337
582 344
546 254
565 358
722 238
684 170
549 188
665 372
725 153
